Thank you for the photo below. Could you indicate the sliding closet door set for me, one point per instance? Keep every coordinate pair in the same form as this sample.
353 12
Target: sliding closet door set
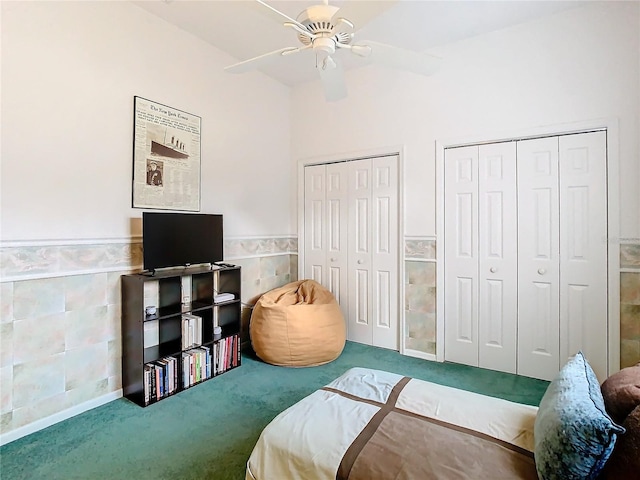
525 253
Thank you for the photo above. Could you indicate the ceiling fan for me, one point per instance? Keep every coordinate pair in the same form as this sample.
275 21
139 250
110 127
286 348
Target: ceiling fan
325 30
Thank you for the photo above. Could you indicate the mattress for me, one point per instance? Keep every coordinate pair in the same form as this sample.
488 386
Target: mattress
370 424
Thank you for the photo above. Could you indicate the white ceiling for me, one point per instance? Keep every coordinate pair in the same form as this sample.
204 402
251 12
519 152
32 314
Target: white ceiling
243 29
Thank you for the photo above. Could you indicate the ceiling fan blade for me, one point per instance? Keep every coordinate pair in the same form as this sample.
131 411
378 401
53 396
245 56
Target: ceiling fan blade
261 60
305 32
359 12
333 82
340 25
277 15
401 58
360 50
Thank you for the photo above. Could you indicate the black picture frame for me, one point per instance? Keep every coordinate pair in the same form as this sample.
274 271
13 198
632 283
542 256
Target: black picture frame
166 157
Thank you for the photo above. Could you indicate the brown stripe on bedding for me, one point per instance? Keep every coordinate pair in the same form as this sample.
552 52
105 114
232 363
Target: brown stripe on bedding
403 448
468 431
394 445
369 430
352 397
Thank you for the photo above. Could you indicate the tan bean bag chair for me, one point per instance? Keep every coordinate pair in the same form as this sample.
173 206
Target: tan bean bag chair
298 325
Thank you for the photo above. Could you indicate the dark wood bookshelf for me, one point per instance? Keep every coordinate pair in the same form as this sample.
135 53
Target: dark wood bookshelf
138 355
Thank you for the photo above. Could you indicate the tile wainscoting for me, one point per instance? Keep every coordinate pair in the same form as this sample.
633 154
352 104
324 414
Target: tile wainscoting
60 347
420 297
60 336
629 304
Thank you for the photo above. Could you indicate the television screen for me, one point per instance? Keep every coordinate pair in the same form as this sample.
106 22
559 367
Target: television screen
180 239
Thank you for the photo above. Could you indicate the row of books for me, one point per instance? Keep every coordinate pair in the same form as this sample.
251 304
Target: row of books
196 365
226 354
162 377
191 330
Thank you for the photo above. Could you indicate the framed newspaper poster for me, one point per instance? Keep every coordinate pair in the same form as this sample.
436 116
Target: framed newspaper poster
166 157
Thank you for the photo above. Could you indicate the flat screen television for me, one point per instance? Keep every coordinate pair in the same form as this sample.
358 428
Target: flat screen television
180 239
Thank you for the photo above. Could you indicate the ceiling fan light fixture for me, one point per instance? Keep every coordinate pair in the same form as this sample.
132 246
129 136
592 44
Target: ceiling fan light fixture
328 63
324 44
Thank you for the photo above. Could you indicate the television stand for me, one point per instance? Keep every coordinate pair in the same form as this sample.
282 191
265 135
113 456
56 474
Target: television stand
160 347
223 264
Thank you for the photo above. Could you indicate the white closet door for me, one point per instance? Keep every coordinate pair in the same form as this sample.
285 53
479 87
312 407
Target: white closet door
337 211
583 250
498 257
360 326
538 258
384 259
351 243
461 255
315 224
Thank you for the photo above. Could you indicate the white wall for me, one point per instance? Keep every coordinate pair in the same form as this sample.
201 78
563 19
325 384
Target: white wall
581 64
70 71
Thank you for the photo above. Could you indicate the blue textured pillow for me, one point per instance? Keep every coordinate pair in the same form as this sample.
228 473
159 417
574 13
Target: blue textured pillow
574 436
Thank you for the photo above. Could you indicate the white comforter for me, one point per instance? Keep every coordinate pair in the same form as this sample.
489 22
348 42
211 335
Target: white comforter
308 440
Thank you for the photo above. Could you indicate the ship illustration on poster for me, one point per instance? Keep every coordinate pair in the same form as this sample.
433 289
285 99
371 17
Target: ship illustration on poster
173 147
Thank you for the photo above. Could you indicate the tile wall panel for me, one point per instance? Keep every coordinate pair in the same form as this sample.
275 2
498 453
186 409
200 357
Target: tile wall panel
60 325
37 380
38 338
629 318
420 295
6 394
37 298
82 291
6 344
86 365
420 306
6 302
629 305
630 256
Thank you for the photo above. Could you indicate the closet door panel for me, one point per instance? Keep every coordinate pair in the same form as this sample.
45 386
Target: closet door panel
315 225
583 250
498 307
337 211
384 259
538 258
359 258
461 255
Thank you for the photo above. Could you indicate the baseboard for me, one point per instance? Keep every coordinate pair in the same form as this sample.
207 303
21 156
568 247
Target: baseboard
58 417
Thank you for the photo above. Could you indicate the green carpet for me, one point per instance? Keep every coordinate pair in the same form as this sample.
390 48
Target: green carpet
209 431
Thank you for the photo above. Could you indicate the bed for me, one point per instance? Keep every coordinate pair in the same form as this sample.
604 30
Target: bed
370 424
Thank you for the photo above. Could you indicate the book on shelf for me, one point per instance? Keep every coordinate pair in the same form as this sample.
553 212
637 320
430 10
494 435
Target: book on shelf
223 297
207 367
185 284
191 330
147 384
157 371
186 370
152 384
163 366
